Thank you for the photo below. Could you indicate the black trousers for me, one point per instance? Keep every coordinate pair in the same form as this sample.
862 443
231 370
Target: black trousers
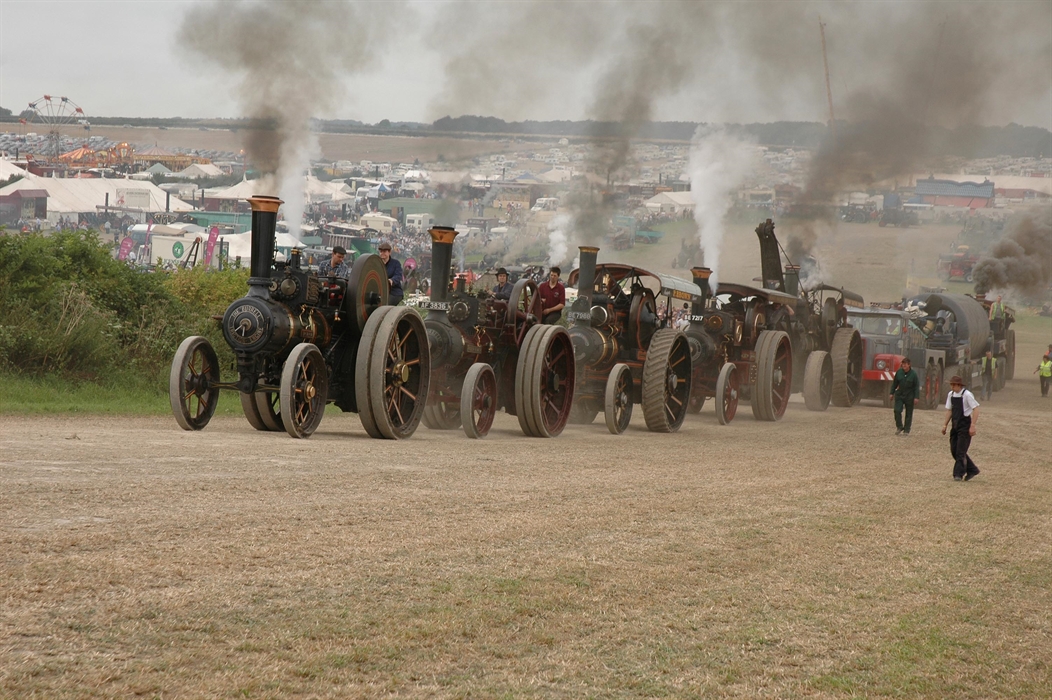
901 403
1044 385
960 441
553 317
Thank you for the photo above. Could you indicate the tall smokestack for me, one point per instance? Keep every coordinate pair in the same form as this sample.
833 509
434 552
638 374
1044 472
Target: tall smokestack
586 273
770 259
264 225
792 280
441 260
701 278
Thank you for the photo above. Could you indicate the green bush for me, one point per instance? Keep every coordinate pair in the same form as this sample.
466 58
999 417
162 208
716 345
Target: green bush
68 308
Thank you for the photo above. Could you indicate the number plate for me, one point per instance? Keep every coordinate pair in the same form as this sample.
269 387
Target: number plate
696 318
429 305
579 316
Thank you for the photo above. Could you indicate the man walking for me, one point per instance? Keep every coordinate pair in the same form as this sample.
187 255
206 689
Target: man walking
905 389
962 410
1044 373
553 297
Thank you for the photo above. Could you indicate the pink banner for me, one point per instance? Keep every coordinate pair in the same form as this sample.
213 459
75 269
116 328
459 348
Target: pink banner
213 235
126 247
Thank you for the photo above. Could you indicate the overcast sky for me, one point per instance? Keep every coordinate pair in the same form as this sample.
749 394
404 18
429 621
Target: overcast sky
539 60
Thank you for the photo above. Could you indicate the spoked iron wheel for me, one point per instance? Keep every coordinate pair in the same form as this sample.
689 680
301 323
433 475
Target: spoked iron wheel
818 380
727 394
544 381
666 381
618 399
847 367
478 400
524 310
191 383
304 390
774 376
393 373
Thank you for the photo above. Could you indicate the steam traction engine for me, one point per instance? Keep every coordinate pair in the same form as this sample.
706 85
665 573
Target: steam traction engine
764 344
625 353
302 341
739 340
488 354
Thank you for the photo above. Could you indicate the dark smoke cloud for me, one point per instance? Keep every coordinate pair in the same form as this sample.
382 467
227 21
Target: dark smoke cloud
949 71
290 60
1022 259
893 76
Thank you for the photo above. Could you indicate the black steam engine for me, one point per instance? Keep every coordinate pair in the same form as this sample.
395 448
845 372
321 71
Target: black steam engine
763 344
302 341
626 353
489 353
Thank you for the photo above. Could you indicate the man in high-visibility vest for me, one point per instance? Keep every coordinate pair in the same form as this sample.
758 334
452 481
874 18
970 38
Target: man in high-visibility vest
1044 372
997 316
989 371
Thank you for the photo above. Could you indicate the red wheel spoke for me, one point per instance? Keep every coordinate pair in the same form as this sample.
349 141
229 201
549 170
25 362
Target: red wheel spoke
408 393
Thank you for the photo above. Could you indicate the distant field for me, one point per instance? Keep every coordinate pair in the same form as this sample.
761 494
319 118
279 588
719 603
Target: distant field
333 146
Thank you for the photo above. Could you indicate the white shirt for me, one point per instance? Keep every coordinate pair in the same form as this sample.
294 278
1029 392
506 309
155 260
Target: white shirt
970 404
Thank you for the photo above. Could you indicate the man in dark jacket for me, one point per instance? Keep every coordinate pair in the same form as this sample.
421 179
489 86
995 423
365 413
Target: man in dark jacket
394 274
906 391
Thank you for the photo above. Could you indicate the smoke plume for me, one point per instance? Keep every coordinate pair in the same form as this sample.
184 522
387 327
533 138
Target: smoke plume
718 165
1022 259
559 229
948 71
290 59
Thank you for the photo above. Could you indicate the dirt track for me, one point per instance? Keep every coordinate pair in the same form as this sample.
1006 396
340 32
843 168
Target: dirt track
141 559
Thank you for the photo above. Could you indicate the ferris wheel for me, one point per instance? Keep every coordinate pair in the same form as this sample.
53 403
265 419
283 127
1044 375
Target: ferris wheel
55 113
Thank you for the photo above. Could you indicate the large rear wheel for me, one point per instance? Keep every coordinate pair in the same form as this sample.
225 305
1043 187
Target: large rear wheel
304 390
666 381
774 376
818 380
727 393
618 399
478 400
544 381
847 367
395 369
191 390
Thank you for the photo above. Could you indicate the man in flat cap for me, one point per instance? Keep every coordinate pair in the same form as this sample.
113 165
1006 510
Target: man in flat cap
337 265
394 275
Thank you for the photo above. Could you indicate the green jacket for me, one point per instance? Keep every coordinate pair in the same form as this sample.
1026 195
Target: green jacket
906 385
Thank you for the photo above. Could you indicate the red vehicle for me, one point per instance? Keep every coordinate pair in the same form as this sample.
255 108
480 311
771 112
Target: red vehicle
957 266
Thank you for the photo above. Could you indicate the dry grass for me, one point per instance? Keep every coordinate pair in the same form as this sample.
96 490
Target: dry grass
817 557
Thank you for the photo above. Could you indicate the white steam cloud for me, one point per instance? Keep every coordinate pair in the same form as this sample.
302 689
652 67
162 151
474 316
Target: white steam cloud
719 163
559 229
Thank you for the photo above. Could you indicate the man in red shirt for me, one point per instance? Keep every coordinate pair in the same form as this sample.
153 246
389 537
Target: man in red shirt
553 297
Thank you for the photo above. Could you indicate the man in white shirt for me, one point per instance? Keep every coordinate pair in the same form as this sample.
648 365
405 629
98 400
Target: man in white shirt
962 409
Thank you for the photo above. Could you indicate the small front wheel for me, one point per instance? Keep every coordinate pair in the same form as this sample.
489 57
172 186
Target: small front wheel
191 383
478 400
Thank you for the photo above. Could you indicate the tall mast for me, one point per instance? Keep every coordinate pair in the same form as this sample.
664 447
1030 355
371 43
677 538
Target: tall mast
829 90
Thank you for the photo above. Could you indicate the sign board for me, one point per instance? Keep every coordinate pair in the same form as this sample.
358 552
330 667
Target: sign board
428 305
134 198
